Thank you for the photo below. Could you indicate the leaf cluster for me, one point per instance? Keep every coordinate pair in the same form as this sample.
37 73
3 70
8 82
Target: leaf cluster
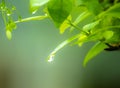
96 21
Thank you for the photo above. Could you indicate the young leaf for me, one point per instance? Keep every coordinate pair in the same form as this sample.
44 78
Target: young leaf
99 47
59 10
91 25
35 4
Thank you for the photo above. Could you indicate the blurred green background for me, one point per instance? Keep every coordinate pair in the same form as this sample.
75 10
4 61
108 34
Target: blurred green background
23 59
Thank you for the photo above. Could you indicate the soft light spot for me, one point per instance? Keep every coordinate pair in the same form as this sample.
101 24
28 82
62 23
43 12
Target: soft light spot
8 14
34 12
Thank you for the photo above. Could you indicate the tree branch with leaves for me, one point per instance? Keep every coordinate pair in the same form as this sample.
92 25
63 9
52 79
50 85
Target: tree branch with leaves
96 21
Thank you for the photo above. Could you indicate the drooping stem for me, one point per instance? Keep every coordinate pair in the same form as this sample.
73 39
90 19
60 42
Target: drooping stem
60 46
32 18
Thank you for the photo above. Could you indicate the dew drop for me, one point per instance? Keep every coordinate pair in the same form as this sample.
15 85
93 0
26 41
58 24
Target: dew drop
51 58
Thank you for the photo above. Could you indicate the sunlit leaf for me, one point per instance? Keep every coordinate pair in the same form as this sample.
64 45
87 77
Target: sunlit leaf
65 24
96 49
108 34
59 10
35 4
82 39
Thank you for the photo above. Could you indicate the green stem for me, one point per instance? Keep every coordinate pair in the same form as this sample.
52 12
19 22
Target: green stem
65 43
31 18
78 28
4 18
80 18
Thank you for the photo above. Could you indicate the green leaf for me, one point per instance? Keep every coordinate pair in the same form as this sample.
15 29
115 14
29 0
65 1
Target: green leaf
8 34
96 49
116 36
82 39
59 10
114 11
80 18
35 4
91 25
108 34
65 25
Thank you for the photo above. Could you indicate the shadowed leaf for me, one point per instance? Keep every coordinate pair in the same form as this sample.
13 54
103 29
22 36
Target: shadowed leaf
59 10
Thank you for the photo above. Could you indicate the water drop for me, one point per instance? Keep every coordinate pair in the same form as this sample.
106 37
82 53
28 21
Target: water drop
51 58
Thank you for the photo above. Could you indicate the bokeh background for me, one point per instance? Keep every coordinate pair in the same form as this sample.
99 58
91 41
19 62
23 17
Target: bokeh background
23 59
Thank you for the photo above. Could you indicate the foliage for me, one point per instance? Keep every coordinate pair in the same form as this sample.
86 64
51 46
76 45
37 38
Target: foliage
97 21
